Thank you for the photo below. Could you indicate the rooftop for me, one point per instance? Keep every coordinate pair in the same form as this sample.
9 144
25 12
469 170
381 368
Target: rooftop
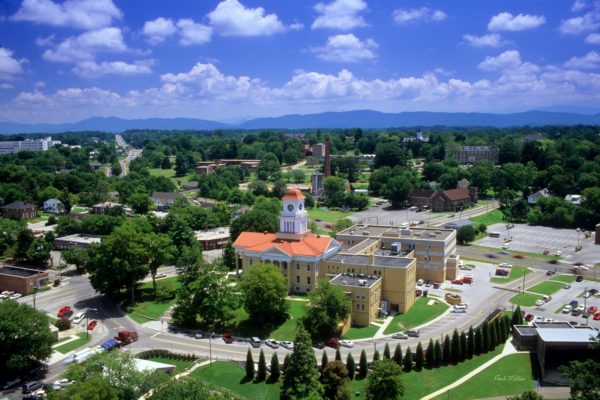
18 271
381 231
293 194
212 234
258 242
359 280
81 238
18 205
568 335
377 260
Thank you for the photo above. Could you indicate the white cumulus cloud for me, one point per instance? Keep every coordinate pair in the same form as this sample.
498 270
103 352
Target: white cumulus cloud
593 38
9 66
193 33
505 21
82 14
508 59
232 18
577 25
85 46
489 40
403 16
158 30
590 61
92 69
346 48
340 15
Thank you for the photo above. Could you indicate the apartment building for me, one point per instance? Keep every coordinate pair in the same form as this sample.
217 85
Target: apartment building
16 146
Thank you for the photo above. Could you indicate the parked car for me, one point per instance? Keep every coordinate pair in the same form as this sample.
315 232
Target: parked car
594 291
347 343
333 342
567 309
420 282
319 345
11 384
597 316
576 312
505 265
567 286
539 303
91 325
61 383
287 345
418 292
272 343
459 309
79 317
400 335
413 333
63 312
574 303
32 386
436 285
547 298
15 296
428 283
587 294
227 338
579 278
529 317
255 342
457 282
506 246
558 253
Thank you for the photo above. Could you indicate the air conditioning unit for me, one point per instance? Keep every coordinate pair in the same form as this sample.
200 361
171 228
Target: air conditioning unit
396 248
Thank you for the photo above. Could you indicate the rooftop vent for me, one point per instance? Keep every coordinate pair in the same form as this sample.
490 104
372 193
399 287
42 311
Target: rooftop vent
366 233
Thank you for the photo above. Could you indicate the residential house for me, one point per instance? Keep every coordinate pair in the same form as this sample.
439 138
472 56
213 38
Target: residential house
533 198
164 200
473 154
101 208
443 200
54 206
20 210
575 199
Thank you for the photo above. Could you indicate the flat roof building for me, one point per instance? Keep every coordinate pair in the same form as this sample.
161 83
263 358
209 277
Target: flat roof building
81 240
21 280
211 239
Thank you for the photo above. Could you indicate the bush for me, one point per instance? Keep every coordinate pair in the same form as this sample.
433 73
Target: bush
482 228
63 324
56 282
465 234
165 291
51 221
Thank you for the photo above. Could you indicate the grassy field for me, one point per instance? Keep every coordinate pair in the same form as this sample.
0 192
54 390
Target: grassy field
327 216
285 331
489 218
525 299
508 376
564 278
361 332
547 287
516 272
417 384
419 314
147 305
180 365
170 173
75 344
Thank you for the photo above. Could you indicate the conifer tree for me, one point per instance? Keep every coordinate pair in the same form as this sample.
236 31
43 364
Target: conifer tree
398 355
430 356
507 325
463 347
437 354
493 335
350 366
261 374
419 358
447 352
470 343
376 356
478 341
275 371
363 365
338 355
455 347
324 360
301 377
386 352
485 331
408 360
286 361
249 366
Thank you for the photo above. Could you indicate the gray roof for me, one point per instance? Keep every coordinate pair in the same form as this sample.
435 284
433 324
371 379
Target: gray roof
18 271
165 197
18 205
458 224
567 335
355 280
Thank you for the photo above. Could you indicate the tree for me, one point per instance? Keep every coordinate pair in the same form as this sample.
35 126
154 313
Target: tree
25 337
386 352
324 360
38 252
249 366
334 190
397 190
264 290
429 355
463 347
179 230
301 378
94 388
455 347
328 306
447 354
517 317
76 256
419 358
470 343
478 348
385 382
275 372
161 251
398 355
584 377
338 355
408 360
261 374
350 366
465 234
116 169
493 335
184 389
254 221
363 365
376 356
335 381
140 202
485 334
438 354
527 395
229 257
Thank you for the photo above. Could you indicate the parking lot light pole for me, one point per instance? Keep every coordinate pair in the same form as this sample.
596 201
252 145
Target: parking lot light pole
585 312
578 241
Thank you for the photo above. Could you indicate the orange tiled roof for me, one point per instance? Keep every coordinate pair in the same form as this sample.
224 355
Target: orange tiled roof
258 242
293 194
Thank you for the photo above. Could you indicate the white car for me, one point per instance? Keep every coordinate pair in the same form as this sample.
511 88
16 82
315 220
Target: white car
505 265
3 297
420 282
272 343
567 309
539 303
79 317
61 383
287 345
15 296
558 253
346 343
400 335
506 246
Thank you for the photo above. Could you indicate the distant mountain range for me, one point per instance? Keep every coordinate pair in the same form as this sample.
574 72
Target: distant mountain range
365 119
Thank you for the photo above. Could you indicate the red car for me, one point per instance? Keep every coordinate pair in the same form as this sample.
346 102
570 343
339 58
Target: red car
227 338
457 282
529 317
335 343
92 325
597 316
593 309
64 312
418 292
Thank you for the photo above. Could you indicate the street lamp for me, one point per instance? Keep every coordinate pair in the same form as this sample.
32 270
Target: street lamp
578 241
585 311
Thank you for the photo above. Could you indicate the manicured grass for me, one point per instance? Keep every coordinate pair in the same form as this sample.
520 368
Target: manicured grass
170 173
419 314
361 332
286 331
564 278
75 344
525 299
547 287
231 377
327 216
147 305
489 218
180 365
508 376
516 272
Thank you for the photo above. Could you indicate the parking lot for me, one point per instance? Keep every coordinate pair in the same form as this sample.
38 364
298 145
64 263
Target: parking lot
535 239
385 215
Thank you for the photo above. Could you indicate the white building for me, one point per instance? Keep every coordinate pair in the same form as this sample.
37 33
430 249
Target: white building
54 206
533 198
574 199
27 145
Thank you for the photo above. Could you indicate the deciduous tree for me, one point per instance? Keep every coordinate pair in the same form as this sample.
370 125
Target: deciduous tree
334 378
385 382
264 290
328 306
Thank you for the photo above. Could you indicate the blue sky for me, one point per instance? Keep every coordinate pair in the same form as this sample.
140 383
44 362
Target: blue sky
68 60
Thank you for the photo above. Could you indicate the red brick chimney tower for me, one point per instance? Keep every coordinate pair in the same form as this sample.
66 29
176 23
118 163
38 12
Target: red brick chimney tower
327 159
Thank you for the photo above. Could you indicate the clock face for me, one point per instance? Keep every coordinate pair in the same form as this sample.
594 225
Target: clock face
290 207
300 206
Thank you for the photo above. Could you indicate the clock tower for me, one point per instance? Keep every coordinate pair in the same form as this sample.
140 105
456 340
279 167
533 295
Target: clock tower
293 220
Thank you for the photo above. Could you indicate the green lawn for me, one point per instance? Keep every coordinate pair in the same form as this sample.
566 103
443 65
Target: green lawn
547 287
147 306
286 331
417 384
419 314
525 299
489 218
75 344
180 365
510 375
361 332
518 253
170 173
564 278
327 216
231 377
516 272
